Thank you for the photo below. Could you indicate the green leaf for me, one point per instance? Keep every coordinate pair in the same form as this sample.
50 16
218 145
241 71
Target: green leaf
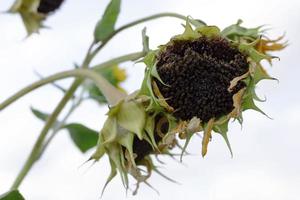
83 137
12 195
39 114
106 25
43 116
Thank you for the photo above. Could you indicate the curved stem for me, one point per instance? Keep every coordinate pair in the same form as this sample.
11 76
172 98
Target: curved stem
38 144
51 120
128 57
142 20
101 82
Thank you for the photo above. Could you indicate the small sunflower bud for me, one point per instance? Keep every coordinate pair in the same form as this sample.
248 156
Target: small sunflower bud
34 12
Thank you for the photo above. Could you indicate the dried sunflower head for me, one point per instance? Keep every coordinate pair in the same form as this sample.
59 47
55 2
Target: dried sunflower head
196 82
34 12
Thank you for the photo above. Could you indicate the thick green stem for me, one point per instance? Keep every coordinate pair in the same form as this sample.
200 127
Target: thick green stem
38 144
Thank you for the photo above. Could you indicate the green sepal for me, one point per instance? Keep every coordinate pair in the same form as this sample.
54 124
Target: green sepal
172 121
100 150
236 30
248 103
113 111
124 174
187 140
155 74
149 128
126 140
197 22
115 153
28 11
113 173
252 53
222 129
209 31
32 22
109 131
188 34
146 88
132 116
260 74
251 89
145 40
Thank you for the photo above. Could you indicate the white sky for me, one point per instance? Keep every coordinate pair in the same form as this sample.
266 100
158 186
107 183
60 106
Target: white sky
265 163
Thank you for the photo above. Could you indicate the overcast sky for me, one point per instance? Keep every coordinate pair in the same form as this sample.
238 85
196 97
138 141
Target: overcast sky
266 163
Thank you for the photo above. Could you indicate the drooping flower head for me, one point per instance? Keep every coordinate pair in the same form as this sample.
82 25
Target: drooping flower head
197 82
34 12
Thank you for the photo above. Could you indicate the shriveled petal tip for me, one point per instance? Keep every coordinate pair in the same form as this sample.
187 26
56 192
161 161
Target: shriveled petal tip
207 136
265 45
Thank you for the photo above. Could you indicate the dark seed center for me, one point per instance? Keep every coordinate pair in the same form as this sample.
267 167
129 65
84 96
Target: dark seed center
198 74
47 6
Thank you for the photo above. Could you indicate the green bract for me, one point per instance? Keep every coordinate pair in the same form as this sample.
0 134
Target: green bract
28 11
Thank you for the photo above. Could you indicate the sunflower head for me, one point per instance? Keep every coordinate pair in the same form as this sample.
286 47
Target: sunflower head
197 82
34 12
